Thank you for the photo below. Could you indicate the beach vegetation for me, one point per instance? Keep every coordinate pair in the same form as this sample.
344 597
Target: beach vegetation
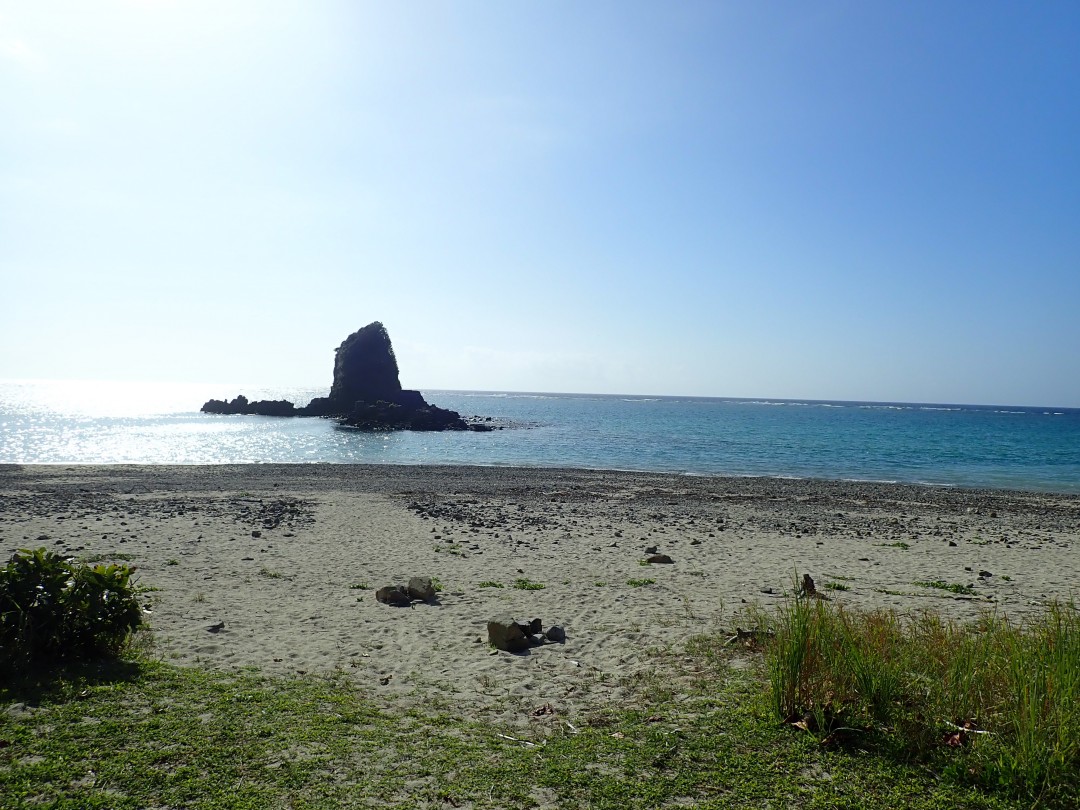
54 610
359 586
836 586
638 583
172 561
827 707
490 584
900 545
993 704
525 584
169 736
951 587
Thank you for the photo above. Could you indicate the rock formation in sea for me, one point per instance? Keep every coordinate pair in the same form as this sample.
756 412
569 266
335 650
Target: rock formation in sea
366 392
263 407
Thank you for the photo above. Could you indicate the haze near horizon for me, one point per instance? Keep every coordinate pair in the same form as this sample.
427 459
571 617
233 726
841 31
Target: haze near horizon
830 200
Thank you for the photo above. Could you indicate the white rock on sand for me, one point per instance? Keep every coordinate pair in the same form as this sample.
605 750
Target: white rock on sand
289 558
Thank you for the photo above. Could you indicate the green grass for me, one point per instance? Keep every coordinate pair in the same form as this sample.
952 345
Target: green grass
951 587
836 586
900 545
524 584
490 584
153 735
903 687
638 583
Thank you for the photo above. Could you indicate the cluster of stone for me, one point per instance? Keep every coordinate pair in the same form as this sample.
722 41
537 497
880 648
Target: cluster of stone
506 634
419 589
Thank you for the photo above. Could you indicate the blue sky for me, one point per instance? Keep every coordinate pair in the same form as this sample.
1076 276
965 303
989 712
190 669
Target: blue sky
837 200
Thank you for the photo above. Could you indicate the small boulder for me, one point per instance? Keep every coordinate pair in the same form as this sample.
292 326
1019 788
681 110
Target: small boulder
421 588
393 595
556 633
506 634
663 559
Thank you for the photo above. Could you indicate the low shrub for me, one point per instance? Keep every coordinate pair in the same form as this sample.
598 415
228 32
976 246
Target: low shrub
55 611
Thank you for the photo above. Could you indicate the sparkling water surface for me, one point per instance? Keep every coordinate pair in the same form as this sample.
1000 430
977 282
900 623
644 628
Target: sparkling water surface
44 422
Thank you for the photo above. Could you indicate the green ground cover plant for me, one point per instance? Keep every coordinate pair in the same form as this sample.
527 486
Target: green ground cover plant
525 584
951 587
163 736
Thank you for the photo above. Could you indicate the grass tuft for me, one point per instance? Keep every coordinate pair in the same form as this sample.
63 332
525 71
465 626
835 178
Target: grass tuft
994 704
524 584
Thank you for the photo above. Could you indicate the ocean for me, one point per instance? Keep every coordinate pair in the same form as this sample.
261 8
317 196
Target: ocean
1037 449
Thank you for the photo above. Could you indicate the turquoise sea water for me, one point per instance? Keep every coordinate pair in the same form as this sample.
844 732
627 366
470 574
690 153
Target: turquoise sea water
953 445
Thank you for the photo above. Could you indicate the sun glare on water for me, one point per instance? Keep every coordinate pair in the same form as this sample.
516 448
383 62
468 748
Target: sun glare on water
97 398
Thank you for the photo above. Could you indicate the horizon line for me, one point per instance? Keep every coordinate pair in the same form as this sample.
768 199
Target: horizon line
763 399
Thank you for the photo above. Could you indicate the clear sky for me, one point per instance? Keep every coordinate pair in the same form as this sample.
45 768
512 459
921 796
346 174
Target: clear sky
836 200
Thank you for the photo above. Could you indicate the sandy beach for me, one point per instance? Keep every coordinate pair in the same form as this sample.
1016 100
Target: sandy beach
288 558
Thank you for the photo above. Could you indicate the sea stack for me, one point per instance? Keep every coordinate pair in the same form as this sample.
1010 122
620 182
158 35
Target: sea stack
365 368
366 392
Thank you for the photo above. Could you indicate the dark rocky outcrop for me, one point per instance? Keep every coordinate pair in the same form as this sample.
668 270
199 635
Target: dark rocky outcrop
365 368
240 405
366 392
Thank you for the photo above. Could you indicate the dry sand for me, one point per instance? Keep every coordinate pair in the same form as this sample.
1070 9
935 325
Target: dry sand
289 557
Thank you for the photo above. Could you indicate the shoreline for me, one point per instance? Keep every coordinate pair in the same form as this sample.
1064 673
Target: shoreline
289 558
366 468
